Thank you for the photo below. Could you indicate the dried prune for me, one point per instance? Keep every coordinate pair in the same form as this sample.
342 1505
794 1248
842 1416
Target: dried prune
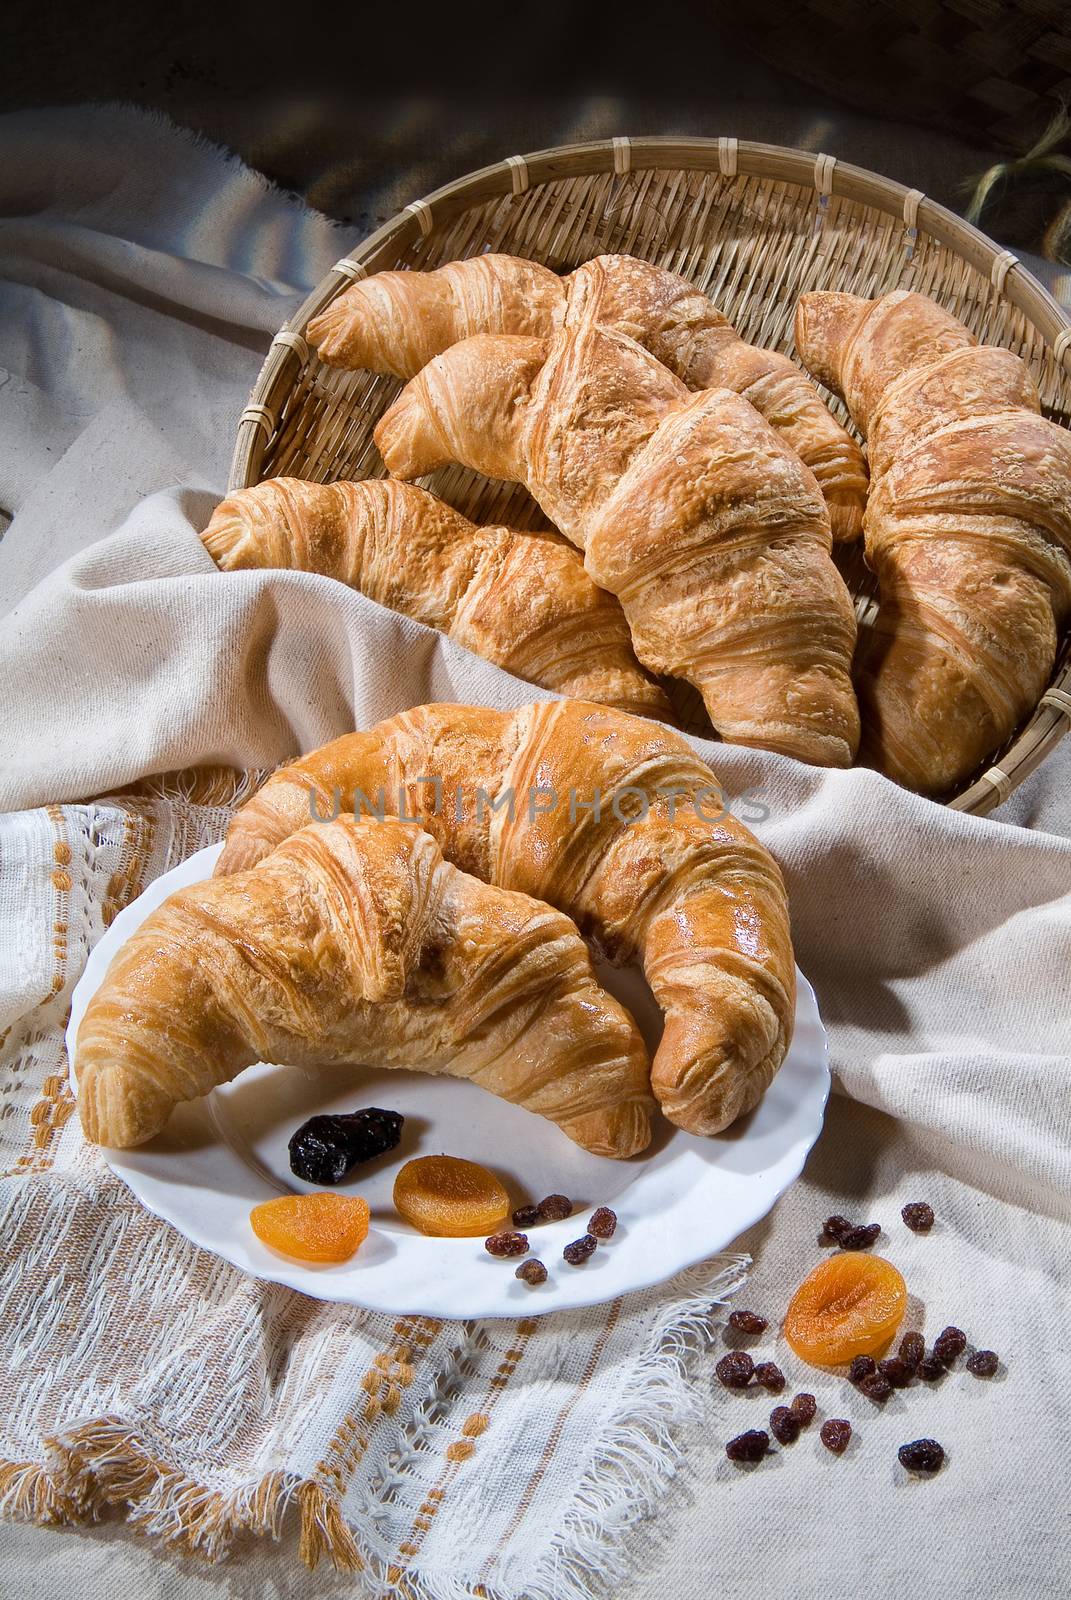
506 1244
747 1322
603 1223
533 1272
784 1425
749 1446
983 1363
579 1251
930 1369
860 1238
921 1455
861 1368
912 1349
918 1216
312 1227
850 1305
769 1374
735 1369
805 1406
526 1216
950 1343
834 1228
555 1207
449 1197
899 1373
877 1388
835 1434
325 1148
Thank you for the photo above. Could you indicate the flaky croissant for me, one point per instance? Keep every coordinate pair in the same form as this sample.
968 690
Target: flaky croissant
688 507
611 819
355 942
521 600
968 528
395 322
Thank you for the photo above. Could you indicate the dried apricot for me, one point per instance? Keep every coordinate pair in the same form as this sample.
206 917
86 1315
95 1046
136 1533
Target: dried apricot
850 1305
449 1197
312 1227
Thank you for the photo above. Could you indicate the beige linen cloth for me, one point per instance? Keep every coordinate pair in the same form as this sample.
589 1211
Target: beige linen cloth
142 1377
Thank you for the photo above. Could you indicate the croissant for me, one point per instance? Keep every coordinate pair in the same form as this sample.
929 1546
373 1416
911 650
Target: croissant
395 322
610 818
688 507
968 528
521 600
356 942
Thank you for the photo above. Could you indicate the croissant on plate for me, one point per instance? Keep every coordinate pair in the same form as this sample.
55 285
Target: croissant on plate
968 528
355 942
612 819
688 507
396 322
521 600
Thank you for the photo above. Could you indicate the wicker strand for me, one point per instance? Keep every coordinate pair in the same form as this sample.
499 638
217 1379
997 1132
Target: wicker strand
824 167
622 156
422 212
1061 345
912 200
999 780
728 150
261 416
350 269
286 339
1059 700
998 272
518 173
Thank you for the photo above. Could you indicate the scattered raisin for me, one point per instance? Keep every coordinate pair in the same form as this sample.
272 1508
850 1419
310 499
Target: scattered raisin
555 1207
602 1223
769 1374
325 1148
525 1216
506 1244
899 1373
949 1344
860 1238
912 1349
877 1388
918 1216
861 1368
735 1370
532 1272
747 1322
580 1249
749 1446
784 1425
931 1369
835 1227
835 1435
983 1363
921 1455
805 1406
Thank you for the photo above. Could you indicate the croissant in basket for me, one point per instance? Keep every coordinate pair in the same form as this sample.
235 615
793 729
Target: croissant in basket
521 600
968 529
396 322
688 507
610 818
356 942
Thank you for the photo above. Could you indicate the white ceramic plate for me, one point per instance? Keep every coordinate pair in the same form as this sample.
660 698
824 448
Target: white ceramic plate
682 1200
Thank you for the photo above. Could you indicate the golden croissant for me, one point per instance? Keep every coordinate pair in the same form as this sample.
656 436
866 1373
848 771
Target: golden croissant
688 507
355 942
615 821
396 322
521 600
968 529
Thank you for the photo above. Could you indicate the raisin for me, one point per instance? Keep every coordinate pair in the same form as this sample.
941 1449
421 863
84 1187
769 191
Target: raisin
735 1370
899 1373
860 1238
877 1388
749 1446
580 1249
918 1216
555 1208
747 1322
325 1148
850 1305
506 1244
835 1435
532 1272
312 1227
784 1425
861 1368
834 1228
931 1369
769 1374
912 1349
525 1216
983 1363
602 1223
949 1344
805 1406
921 1455
449 1197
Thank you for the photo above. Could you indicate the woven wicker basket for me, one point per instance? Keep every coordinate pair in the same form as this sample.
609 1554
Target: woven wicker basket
754 225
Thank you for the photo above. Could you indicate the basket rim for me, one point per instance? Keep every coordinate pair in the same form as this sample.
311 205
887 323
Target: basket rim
731 157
